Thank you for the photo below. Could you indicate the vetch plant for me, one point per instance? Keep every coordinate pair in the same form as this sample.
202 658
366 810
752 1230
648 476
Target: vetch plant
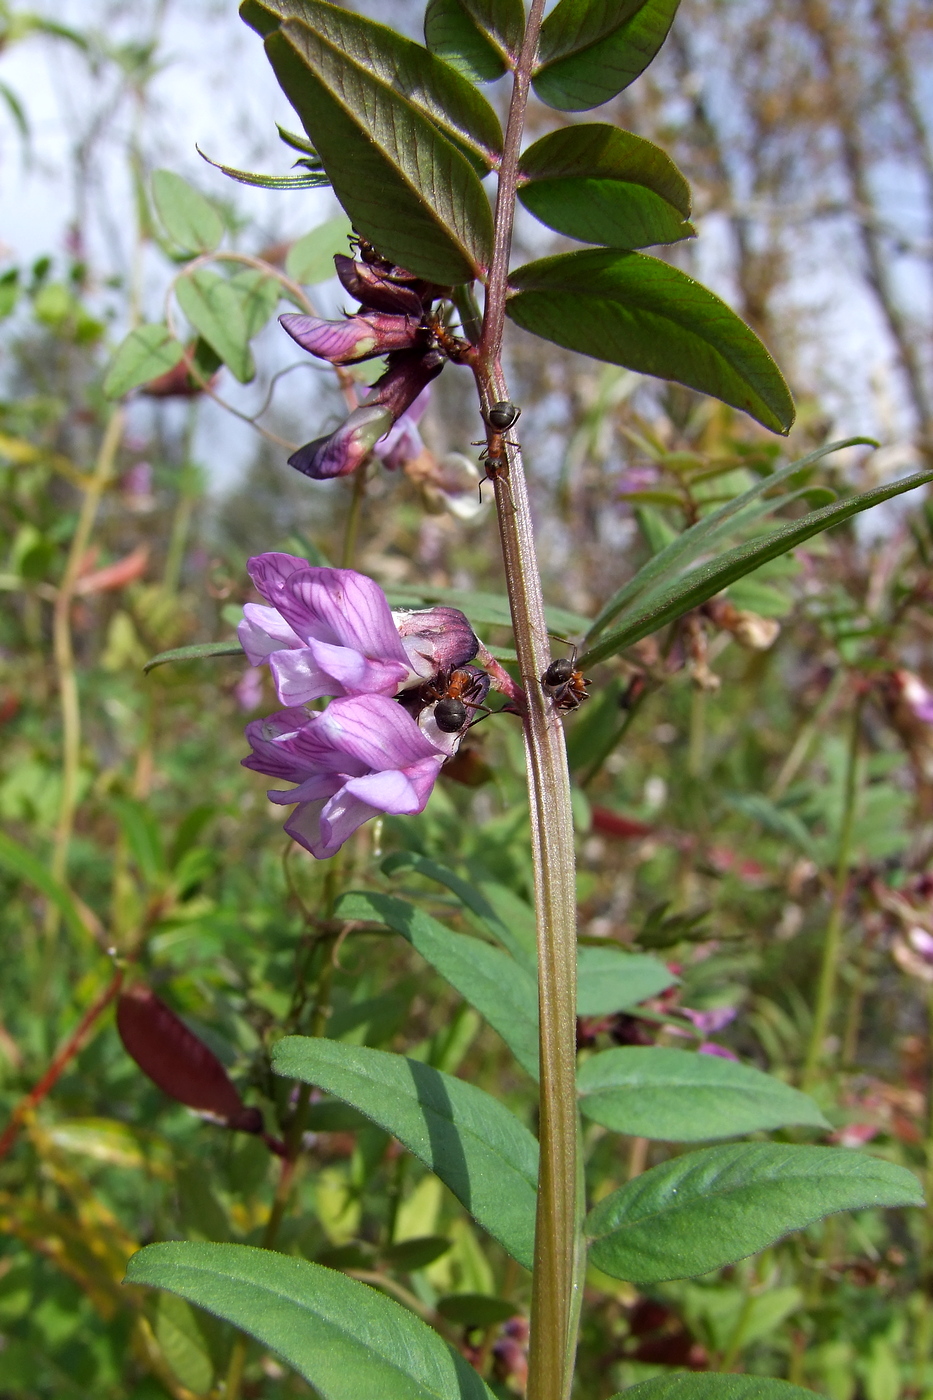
406 138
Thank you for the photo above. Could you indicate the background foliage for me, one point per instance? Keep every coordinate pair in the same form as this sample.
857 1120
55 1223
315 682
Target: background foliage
764 798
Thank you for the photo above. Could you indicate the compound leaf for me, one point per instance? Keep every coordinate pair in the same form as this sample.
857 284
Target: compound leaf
680 1096
480 1150
344 1338
707 1209
648 316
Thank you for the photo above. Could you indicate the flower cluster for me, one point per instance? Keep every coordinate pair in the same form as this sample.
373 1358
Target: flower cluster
331 632
394 320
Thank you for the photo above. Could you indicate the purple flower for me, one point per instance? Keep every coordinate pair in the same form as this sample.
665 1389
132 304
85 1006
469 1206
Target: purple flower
381 289
361 756
331 632
341 452
355 338
403 442
709 1047
710 1021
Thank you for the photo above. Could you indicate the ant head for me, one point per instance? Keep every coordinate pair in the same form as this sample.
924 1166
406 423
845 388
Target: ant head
502 415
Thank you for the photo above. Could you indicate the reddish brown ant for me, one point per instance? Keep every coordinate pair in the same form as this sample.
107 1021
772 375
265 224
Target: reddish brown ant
499 418
566 685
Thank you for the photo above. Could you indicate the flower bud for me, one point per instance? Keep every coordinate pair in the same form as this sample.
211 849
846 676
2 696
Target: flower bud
376 288
341 452
353 339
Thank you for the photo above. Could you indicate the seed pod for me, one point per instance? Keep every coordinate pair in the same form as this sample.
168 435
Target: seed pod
178 1062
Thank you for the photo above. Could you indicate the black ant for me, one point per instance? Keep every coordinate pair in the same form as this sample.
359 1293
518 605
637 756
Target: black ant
499 418
566 685
456 693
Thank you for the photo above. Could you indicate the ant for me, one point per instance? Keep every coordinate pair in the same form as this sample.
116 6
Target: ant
499 418
566 685
456 693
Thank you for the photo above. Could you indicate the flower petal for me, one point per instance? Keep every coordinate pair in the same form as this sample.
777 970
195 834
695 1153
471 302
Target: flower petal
346 608
355 674
338 820
269 572
355 338
436 639
341 452
375 730
299 678
263 631
388 792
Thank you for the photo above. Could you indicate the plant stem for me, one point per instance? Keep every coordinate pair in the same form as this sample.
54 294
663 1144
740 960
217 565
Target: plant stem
63 651
550 1346
352 525
832 944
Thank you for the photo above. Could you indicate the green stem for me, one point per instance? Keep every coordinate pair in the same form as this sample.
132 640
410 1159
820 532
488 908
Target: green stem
832 945
352 525
551 1346
63 651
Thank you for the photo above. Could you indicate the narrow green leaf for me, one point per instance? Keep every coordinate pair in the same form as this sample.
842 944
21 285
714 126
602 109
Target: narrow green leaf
147 352
310 180
311 259
502 990
417 1253
188 218
648 316
215 310
683 1387
679 1096
259 295
601 184
468 894
480 1150
21 862
196 652
183 1344
599 48
709 579
610 979
686 548
710 1208
345 1339
450 32
475 1309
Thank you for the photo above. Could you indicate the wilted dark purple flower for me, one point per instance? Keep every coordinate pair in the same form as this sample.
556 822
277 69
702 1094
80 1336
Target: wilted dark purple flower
392 290
363 755
341 452
331 632
355 338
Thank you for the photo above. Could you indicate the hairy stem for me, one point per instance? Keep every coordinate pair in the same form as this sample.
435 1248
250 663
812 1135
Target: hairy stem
551 1346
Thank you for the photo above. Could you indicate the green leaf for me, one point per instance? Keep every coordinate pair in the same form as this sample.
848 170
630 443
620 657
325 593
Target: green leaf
714 1388
450 32
417 1253
610 979
309 180
196 652
147 352
502 990
711 578
501 21
259 294
345 1339
679 1096
707 1209
600 184
648 316
388 120
188 218
593 49
672 557
215 310
21 862
480 1150
475 1309
468 894
183 1344
311 259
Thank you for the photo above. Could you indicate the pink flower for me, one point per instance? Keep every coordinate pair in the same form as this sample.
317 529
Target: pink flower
342 451
355 338
363 755
332 632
